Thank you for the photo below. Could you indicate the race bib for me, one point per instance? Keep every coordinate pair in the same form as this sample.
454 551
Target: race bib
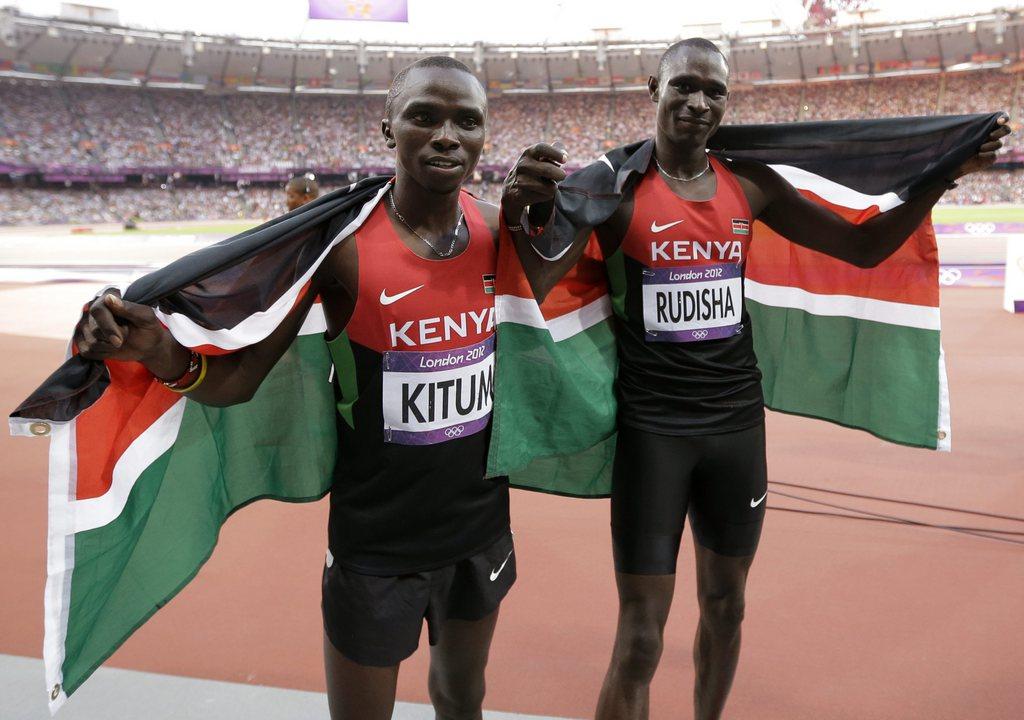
431 397
684 304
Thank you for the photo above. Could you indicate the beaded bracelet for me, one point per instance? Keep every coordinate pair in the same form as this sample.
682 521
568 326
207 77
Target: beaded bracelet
182 384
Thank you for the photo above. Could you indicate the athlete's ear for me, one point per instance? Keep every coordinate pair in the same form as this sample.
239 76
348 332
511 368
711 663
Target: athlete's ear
652 87
389 137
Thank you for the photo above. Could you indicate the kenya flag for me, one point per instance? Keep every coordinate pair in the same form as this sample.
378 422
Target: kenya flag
141 478
856 347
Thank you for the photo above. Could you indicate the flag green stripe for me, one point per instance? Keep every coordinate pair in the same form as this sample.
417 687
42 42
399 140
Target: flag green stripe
574 379
280 445
858 373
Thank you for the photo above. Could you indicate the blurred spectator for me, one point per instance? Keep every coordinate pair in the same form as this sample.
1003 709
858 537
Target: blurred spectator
113 127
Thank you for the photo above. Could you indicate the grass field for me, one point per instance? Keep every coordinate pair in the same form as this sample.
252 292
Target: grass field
953 214
227 227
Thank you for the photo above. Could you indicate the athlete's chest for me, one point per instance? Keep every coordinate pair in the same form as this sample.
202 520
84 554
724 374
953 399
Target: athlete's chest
687 260
667 231
407 302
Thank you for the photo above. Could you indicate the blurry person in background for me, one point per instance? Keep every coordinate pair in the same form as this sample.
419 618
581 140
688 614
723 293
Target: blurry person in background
300 190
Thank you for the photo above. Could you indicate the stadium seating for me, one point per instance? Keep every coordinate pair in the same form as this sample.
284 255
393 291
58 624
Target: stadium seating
121 129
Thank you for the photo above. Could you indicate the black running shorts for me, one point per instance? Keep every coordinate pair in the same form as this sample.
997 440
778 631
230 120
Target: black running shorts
720 480
376 621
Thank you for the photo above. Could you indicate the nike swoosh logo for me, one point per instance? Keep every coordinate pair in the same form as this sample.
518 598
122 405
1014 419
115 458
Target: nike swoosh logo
496 573
656 228
754 503
386 299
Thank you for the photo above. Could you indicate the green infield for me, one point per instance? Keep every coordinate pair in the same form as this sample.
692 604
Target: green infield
225 227
953 214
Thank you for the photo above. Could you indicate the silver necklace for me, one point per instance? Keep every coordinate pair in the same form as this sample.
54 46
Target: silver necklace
401 219
682 179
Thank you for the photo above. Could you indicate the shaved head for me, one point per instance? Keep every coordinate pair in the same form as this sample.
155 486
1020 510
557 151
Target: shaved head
434 61
694 43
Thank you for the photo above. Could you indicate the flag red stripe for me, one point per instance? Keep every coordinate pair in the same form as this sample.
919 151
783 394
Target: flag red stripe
910 275
131 403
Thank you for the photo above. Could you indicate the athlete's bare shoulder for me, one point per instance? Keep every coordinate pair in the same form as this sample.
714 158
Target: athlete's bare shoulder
759 182
490 213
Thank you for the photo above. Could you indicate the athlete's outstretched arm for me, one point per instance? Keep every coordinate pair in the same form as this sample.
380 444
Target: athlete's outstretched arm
806 223
532 184
119 330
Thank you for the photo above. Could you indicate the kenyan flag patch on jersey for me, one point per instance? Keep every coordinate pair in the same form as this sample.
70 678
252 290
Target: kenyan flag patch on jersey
740 226
489 284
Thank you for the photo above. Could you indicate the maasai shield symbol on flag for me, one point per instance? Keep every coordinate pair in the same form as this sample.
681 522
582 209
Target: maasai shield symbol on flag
379 10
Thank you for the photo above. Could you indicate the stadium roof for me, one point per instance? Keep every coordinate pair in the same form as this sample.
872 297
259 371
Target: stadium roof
52 49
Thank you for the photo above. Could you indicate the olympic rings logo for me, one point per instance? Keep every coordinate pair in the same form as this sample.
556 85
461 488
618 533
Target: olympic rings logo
950 276
699 334
454 431
980 228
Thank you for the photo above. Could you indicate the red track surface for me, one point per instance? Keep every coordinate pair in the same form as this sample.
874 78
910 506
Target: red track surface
846 618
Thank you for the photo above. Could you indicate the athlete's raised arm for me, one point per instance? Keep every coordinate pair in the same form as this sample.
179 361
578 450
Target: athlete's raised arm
806 223
115 329
531 186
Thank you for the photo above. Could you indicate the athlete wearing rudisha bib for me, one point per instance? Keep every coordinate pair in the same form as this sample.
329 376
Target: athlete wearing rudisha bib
687 375
672 223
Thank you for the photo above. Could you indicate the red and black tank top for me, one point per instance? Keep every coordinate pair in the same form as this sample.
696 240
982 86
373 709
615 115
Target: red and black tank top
686 356
415 375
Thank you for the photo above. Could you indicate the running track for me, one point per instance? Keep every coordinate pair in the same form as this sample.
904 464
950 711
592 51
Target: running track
846 618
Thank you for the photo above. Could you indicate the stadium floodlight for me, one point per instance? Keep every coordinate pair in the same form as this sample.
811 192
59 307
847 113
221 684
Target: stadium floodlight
897 33
999 27
362 61
972 27
329 54
829 40
855 41
8 36
478 56
187 49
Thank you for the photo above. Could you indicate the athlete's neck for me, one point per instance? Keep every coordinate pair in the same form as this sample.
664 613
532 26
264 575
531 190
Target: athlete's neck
678 159
430 213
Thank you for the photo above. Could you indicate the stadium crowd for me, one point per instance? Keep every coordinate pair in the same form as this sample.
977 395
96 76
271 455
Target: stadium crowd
117 129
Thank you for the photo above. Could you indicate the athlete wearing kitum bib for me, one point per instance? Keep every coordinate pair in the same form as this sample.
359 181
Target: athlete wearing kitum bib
416 533
691 427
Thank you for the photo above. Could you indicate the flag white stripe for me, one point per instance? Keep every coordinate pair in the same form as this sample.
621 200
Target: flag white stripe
260 324
833 192
60 560
143 451
945 429
883 311
525 311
